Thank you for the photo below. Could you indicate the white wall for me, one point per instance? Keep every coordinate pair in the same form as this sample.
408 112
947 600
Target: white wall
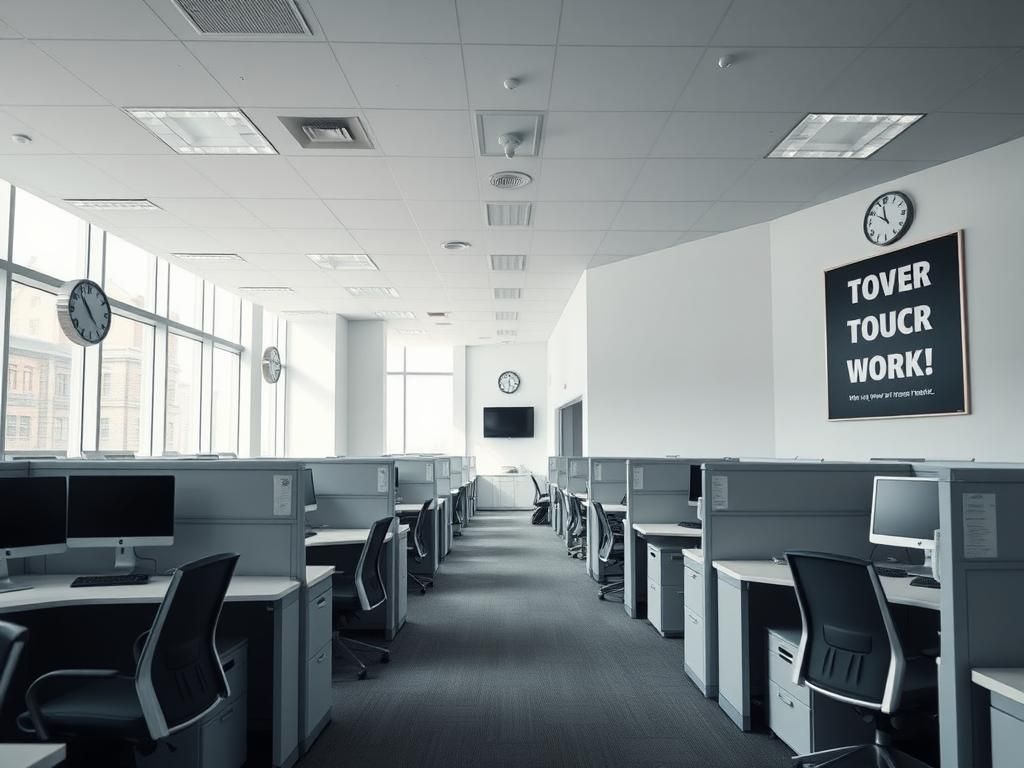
483 366
981 194
366 361
679 357
316 407
567 363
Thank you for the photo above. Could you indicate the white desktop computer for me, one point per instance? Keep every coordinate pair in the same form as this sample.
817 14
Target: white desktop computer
905 513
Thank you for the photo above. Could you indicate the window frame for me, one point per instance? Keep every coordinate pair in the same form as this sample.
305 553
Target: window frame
405 373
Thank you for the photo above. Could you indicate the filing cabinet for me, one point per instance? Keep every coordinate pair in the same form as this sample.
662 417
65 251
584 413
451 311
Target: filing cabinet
665 588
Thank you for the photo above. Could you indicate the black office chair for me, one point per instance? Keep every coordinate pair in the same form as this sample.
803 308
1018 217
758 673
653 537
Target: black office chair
850 651
458 518
12 643
178 677
613 547
362 591
541 504
577 538
416 549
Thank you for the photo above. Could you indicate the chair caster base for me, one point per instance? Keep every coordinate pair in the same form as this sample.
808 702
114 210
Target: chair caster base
385 658
600 595
362 674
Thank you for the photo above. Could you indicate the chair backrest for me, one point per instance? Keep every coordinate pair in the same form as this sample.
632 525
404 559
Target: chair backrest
607 537
849 648
457 506
574 512
12 643
369 581
536 490
179 678
421 522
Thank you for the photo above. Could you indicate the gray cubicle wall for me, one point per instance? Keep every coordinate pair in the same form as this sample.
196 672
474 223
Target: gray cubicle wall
606 483
443 489
455 467
352 493
15 469
253 508
759 510
555 510
577 474
417 482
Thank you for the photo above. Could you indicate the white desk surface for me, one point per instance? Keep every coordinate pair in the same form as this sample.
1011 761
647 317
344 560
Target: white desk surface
897 591
326 537
54 591
32 755
1008 682
694 553
579 495
618 509
408 507
317 573
667 529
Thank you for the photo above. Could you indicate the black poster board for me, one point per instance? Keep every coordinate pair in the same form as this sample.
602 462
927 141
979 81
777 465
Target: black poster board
896 333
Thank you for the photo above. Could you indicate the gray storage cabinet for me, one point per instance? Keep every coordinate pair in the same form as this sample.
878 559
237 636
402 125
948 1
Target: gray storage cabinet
665 588
695 658
1007 732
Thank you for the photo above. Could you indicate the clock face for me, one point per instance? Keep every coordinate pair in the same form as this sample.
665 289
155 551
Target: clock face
509 382
888 218
271 365
83 312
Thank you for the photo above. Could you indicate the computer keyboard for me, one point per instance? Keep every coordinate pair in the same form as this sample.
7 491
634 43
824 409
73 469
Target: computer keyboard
686 524
895 573
924 581
114 580
310 534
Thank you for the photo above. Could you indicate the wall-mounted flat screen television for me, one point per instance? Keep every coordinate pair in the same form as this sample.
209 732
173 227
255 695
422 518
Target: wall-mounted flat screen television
508 422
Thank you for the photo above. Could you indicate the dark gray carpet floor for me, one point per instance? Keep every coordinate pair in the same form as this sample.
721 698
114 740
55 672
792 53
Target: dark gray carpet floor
511 660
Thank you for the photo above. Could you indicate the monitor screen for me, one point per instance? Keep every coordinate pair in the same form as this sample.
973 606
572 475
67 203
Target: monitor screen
104 509
33 514
508 422
396 478
308 491
905 511
696 491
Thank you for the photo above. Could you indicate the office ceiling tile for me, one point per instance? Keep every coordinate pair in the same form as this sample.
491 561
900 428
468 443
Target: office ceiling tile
389 263
73 19
135 223
605 259
262 240
12 122
62 176
552 280
246 176
440 133
554 214
532 22
8 32
602 134
721 134
425 178
210 213
178 240
999 90
566 242
292 212
952 24
634 243
278 262
358 178
640 22
730 215
788 180
489 66
587 179
764 79
469 294
162 176
392 242
508 239
279 75
404 76
690 179
621 78
575 263
372 214
388 21
460 262
945 136
806 23
443 214
654 216
140 74
90 130
867 174
507 280
466 279
50 83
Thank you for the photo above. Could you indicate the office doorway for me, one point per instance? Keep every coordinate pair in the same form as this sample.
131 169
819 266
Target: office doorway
570 429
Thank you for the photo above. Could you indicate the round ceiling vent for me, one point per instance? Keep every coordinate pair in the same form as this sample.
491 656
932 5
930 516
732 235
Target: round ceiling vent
456 245
510 179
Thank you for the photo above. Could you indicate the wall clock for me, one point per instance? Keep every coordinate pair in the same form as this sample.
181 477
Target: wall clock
83 312
509 382
271 365
888 218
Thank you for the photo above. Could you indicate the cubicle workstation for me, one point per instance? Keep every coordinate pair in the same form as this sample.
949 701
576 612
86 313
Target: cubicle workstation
555 517
445 499
350 494
606 483
754 512
562 483
252 508
659 499
418 483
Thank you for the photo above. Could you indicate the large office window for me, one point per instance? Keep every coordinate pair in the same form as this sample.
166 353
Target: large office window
420 391
224 419
184 297
183 398
49 239
130 274
126 386
42 363
227 315
272 396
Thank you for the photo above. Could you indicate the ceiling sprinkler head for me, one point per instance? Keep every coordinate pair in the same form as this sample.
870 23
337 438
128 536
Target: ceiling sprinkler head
511 83
21 138
509 142
724 62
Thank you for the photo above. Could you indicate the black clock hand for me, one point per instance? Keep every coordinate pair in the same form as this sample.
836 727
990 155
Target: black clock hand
88 311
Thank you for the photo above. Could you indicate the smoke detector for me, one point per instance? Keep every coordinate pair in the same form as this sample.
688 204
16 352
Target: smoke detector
509 142
456 245
510 179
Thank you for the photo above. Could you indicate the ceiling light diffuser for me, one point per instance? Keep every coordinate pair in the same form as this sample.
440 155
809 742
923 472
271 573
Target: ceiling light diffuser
842 136
205 131
114 205
395 314
265 289
508 293
208 256
508 262
343 261
363 292
506 317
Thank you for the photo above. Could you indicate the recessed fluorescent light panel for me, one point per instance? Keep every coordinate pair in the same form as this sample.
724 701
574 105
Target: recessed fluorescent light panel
208 256
265 289
509 214
395 314
364 292
842 136
205 131
506 317
508 293
410 332
115 205
343 261
507 332
508 262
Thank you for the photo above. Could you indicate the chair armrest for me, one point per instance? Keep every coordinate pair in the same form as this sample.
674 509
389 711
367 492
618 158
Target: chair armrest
138 645
32 695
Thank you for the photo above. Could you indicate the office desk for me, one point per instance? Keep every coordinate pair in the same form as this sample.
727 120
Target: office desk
32 755
1006 713
278 593
741 623
634 601
337 537
696 554
405 509
668 530
317 573
1006 682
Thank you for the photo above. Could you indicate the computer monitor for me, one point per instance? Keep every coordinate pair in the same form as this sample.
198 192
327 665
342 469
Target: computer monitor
122 511
696 483
905 512
33 520
308 491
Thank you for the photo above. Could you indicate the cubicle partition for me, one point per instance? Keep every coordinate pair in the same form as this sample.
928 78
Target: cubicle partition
443 492
562 482
606 483
754 511
555 514
418 482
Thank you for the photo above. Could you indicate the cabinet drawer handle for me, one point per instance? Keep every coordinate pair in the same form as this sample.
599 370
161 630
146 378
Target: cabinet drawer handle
653 554
693 619
321 602
784 700
321 657
675 557
785 655
227 714
229 665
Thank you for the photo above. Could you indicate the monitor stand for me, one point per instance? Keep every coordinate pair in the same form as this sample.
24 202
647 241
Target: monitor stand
124 560
6 585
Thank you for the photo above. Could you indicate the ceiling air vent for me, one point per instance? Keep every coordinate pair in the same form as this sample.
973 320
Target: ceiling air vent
508 293
510 179
509 214
506 317
506 332
508 262
244 17
372 292
328 132
437 314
